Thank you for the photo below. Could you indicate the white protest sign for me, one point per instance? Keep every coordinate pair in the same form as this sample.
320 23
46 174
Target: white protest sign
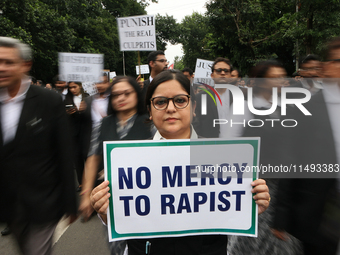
203 71
90 88
137 33
112 75
144 69
170 189
81 67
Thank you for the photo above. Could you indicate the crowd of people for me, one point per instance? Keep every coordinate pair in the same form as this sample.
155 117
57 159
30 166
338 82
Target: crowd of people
52 135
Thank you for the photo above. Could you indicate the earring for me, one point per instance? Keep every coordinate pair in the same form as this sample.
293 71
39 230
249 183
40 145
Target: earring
150 118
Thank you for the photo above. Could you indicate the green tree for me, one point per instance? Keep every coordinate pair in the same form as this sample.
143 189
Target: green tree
86 26
248 31
194 30
41 27
167 30
316 22
178 63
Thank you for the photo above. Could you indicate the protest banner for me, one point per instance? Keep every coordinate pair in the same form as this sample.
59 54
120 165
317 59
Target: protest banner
82 67
137 33
90 88
143 68
203 72
112 75
181 187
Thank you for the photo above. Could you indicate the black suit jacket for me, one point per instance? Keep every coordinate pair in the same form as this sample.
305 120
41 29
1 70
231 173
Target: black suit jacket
144 90
108 132
36 177
75 119
303 203
146 86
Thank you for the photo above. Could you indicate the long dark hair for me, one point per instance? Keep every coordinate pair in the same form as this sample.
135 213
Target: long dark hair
169 75
136 87
69 95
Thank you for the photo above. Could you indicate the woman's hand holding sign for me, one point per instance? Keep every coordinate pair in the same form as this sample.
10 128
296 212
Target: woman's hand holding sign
100 199
262 197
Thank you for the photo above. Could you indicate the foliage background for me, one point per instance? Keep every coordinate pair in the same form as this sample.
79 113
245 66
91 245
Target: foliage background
245 31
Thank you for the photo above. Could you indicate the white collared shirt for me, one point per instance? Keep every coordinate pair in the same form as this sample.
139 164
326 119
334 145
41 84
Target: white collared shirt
99 109
11 109
77 100
158 136
64 93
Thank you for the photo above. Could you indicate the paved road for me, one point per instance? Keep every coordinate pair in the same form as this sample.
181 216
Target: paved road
88 238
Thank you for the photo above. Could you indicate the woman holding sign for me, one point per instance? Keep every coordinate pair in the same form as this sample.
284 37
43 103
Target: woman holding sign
171 107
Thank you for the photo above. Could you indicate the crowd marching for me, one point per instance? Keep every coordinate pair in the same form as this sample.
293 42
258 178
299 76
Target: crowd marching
51 133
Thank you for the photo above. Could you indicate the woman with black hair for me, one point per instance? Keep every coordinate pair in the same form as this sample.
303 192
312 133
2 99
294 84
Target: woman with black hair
171 108
73 104
127 122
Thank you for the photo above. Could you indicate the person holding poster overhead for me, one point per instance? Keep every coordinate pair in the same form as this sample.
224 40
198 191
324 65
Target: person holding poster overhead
171 107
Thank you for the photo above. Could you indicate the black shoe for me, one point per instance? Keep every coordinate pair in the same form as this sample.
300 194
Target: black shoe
6 231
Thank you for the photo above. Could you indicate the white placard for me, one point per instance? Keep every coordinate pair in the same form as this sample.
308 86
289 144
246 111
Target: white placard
144 69
90 88
82 67
137 33
112 75
166 190
203 71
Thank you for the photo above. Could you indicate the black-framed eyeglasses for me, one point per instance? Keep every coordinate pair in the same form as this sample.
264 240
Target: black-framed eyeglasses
162 60
126 93
219 70
179 101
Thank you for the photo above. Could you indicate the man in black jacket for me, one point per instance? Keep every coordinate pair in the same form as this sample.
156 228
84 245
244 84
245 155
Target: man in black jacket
36 177
308 207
